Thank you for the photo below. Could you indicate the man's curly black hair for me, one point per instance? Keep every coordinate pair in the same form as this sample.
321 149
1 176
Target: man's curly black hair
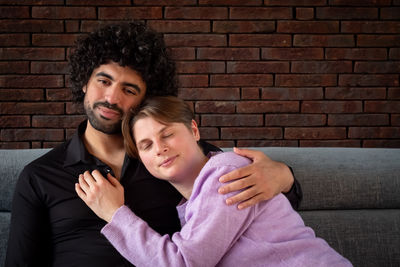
130 44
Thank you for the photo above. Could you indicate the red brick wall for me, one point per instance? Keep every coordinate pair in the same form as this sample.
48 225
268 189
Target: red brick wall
258 73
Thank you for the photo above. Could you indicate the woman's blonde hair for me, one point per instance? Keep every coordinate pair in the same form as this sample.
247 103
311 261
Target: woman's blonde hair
164 109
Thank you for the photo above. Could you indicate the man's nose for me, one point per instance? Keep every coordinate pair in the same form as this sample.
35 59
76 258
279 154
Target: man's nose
112 94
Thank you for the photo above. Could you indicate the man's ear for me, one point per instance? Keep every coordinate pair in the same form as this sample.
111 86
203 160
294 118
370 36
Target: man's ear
195 130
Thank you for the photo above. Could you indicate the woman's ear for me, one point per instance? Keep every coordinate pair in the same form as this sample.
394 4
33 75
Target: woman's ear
195 130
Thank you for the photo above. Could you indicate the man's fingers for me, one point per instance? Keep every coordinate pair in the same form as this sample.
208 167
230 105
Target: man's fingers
242 196
236 174
83 183
79 191
236 185
250 202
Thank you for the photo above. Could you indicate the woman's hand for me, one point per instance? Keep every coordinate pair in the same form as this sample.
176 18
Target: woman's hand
102 196
261 180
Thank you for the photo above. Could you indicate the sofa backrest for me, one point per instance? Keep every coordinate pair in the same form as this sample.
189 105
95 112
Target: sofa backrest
351 197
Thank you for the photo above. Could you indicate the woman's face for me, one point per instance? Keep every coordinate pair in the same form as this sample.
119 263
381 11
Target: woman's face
169 151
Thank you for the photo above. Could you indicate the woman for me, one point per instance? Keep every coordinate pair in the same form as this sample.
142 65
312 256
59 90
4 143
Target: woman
268 234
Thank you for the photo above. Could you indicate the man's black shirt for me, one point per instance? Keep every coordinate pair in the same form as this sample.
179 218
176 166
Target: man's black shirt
52 226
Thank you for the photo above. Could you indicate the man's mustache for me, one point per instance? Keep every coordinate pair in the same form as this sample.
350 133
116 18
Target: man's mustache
109 106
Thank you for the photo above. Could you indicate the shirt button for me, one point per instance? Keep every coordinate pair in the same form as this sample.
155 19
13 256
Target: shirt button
108 170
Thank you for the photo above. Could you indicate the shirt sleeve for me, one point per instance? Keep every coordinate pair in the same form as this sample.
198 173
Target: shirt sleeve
295 194
29 241
211 228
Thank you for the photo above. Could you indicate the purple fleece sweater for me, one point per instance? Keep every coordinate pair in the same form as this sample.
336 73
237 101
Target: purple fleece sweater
270 233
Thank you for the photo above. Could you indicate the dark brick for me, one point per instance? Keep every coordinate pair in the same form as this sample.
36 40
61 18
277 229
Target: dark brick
250 93
304 13
195 40
390 12
200 67
374 132
196 13
370 26
14 67
305 80
58 94
241 80
258 67
358 119
368 80
260 13
394 53
214 107
217 93
330 143
31 81
209 133
382 143
315 133
308 27
65 121
268 107
344 13
292 53
31 25
231 120
14 39
338 40
15 121
32 134
180 26
14 145
183 53
259 40
283 93
356 53
53 39
62 12
21 94
322 67
251 133
365 40
243 26
11 12
295 120
355 93
193 80
228 53
31 108
394 93
268 143
32 53
382 106
331 107
49 67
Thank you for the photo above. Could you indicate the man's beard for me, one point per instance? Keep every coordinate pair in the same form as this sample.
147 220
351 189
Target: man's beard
99 124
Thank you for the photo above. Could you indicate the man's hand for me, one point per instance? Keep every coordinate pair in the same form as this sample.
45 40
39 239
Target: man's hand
102 196
261 180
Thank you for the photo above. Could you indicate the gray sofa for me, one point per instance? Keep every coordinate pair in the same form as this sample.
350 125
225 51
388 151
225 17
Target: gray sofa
351 197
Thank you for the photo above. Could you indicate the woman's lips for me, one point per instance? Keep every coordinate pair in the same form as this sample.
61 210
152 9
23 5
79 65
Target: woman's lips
168 161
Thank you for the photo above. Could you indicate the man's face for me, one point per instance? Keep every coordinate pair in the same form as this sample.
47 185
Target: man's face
111 91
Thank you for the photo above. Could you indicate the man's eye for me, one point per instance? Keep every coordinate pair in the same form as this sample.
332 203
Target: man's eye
130 92
104 82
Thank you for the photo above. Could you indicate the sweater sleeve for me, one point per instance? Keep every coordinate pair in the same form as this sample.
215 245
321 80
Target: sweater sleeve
211 229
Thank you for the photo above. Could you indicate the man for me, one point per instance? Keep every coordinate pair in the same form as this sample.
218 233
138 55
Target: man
112 70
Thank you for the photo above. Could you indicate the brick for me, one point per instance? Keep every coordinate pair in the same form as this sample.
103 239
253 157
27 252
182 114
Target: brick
382 143
258 67
243 26
61 12
251 133
31 81
241 80
74 108
32 2
69 133
14 145
31 108
395 120
51 144
11 12
180 26
268 143
344 13
58 95
14 67
209 133
394 93
382 106
15 121
390 12
315 133
30 25
32 134
214 107
87 26
358 119
330 143
268 107
32 53
302 80
37 144
394 53
368 80
232 120
322 67
211 40
295 119
196 13
98 2
283 93
304 13
374 132
370 26
49 67
274 40
308 27
356 53
182 53
14 39
193 80
355 93
231 2
200 67
295 3
260 13
21 94
331 107
292 53
359 2
72 26
228 53
251 93
54 39
338 40
210 93
377 67
222 143
65 121
365 40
